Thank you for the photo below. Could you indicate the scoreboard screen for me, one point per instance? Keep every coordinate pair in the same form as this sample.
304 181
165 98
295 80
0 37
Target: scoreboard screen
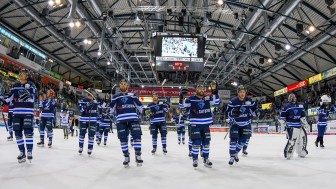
178 51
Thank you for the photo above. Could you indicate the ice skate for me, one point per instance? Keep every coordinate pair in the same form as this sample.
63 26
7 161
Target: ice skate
80 151
165 151
244 152
195 163
179 142
40 144
98 142
89 152
105 143
232 160
316 143
50 143
126 161
207 163
153 151
322 146
30 156
21 157
138 160
183 142
236 158
10 138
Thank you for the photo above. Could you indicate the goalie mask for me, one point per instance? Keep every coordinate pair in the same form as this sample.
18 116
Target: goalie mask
292 98
325 100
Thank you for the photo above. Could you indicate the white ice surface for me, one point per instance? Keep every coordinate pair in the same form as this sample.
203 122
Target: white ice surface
61 167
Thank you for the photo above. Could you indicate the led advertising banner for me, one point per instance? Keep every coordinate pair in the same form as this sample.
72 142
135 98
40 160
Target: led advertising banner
297 85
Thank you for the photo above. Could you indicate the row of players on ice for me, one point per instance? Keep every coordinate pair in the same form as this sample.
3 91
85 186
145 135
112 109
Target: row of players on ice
126 106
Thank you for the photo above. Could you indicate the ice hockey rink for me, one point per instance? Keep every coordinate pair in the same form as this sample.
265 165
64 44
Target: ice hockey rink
265 167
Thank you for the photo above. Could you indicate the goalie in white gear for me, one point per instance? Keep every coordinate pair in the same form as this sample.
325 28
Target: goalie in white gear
293 117
323 115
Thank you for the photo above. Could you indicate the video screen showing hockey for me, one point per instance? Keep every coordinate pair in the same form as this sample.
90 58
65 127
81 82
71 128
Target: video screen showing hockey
179 47
167 94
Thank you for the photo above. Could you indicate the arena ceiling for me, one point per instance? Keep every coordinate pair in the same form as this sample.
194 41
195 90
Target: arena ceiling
297 35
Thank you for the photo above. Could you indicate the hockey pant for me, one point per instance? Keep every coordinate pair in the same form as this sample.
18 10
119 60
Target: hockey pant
126 128
200 135
297 140
180 133
155 128
24 124
321 130
89 127
103 131
239 135
46 123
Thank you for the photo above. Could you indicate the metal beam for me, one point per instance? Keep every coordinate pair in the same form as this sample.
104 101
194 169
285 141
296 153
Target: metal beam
291 73
309 66
327 54
25 24
278 80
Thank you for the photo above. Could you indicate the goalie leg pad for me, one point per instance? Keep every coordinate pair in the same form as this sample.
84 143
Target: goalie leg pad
293 136
301 149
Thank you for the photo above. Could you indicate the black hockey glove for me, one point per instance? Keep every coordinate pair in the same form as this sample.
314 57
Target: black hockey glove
183 92
24 96
214 87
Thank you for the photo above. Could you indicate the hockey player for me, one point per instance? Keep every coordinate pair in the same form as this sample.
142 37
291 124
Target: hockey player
180 118
64 117
88 120
47 115
23 96
323 115
10 119
200 118
158 122
240 111
294 118
104 124
124 106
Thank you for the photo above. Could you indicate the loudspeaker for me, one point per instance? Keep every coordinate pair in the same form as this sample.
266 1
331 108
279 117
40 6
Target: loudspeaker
161 28
261 60
45 12
67 32
278 47
299 28
181 21
198 29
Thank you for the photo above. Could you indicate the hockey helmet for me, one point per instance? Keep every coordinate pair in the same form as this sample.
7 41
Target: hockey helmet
240 88
200 86
23 70
325 99
92 92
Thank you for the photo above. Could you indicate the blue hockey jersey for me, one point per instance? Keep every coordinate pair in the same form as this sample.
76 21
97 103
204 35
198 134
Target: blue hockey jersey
23 98
199 109
157 112
292 114
125 106
48 108
179 119
89 110
241 112
323 115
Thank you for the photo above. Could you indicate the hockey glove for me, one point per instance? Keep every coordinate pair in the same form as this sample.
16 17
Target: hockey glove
183 92
304 123
214 87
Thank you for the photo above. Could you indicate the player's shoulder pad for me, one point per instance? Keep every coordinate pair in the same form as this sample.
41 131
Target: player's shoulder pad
300 106
131 94
207 98
161 103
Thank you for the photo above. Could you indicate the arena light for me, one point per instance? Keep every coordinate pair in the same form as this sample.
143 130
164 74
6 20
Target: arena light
86 41
234 83
99 53
287 47
51 3
58 2
220 3
89 42
311 28
71 24
108 63
270 60
78 23
142 86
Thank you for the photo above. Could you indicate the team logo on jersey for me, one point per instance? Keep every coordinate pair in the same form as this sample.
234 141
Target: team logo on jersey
243 109
124 100
157 108
201 105
295 112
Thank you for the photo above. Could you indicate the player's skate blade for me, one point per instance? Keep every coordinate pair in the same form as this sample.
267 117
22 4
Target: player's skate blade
195 163
165 151
126 161
29 157
207 163
21 157
138 160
